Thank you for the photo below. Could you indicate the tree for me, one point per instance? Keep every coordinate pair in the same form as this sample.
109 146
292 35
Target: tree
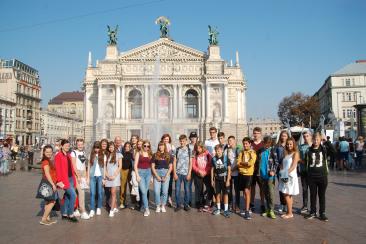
299 109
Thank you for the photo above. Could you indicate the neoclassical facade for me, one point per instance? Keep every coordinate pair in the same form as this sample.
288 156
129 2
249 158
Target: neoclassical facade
163 87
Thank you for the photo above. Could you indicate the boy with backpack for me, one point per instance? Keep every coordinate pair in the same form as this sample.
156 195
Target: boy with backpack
182 168
268 165
220 180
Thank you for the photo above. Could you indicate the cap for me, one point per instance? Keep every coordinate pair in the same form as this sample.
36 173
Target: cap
1 138
193 134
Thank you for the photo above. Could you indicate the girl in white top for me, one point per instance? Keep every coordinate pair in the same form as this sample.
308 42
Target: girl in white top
78 159
112 176
289 184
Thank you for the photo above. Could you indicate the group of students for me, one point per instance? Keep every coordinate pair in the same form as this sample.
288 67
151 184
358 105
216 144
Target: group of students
220 170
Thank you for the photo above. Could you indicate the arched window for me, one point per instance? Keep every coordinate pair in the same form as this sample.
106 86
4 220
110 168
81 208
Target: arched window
135 104
164 104
191 105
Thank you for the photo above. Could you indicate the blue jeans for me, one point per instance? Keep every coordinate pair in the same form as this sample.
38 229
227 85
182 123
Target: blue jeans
182 178
161 188
145 175
70 198
96 187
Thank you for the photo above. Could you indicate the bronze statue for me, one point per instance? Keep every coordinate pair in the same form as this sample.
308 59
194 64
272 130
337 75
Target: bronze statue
112 34
164 22
213 33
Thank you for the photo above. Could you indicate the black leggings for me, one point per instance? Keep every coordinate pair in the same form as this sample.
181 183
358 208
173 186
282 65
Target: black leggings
199 183
318 187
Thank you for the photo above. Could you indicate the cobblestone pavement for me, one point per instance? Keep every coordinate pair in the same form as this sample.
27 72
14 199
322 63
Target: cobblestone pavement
346 202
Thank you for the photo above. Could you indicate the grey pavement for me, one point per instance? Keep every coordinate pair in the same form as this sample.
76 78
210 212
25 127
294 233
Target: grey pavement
346 198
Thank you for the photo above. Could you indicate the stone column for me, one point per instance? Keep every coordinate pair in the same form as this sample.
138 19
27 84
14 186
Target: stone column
238 108
123 104
244 104
118 102
146 102
175 104
180 104
152 114
203 105
226 103
100 115
208 107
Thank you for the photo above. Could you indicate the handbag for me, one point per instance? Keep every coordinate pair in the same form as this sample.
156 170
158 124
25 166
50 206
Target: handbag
45 191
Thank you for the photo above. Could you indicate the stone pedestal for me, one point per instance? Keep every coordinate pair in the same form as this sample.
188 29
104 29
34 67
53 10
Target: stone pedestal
214 63
112 52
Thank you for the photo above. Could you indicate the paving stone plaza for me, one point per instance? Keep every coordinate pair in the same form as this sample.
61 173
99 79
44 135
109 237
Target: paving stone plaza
346 199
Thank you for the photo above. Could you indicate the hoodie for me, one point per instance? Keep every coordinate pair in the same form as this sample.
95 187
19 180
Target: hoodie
202 163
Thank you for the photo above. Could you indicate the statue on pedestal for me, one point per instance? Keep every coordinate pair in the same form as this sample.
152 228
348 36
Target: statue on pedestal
164 22
112 34
213 33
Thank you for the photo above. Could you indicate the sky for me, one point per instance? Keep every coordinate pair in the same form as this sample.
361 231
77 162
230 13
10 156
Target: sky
284 46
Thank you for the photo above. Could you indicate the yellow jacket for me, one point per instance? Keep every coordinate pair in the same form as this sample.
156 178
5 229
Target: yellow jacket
250 156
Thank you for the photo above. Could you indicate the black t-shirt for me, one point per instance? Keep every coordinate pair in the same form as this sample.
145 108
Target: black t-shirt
127 160
316 162
162 163
220 165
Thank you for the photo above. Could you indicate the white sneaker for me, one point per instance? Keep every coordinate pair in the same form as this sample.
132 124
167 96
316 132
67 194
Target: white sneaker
85 216
163 210
111 213
158 209
99 212
122 206
146 213
77 213
91 214
115 210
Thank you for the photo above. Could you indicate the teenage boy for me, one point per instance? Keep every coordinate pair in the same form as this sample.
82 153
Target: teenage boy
182 172
246 162
233 151
317 172
257 146
268 168
220 180
212 142
308 141
78 159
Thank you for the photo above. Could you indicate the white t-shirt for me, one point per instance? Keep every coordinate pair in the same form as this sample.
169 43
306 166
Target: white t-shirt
80 159
97 171
210 146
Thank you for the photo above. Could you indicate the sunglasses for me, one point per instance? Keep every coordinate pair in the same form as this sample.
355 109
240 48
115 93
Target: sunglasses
146 145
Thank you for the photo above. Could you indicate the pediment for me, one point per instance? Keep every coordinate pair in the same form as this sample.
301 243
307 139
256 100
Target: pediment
164 49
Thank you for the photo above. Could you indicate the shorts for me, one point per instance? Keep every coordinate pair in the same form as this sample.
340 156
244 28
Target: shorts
245 181
256 179
344 155
220 186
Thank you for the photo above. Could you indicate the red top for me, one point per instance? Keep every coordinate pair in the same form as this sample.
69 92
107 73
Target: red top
202 163
144 162
61 163
52 170
258 146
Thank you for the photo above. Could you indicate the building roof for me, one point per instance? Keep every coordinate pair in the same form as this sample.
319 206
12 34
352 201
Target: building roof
358 67
75 96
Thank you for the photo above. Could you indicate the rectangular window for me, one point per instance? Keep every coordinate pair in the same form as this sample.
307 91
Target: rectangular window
344 113
348 82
